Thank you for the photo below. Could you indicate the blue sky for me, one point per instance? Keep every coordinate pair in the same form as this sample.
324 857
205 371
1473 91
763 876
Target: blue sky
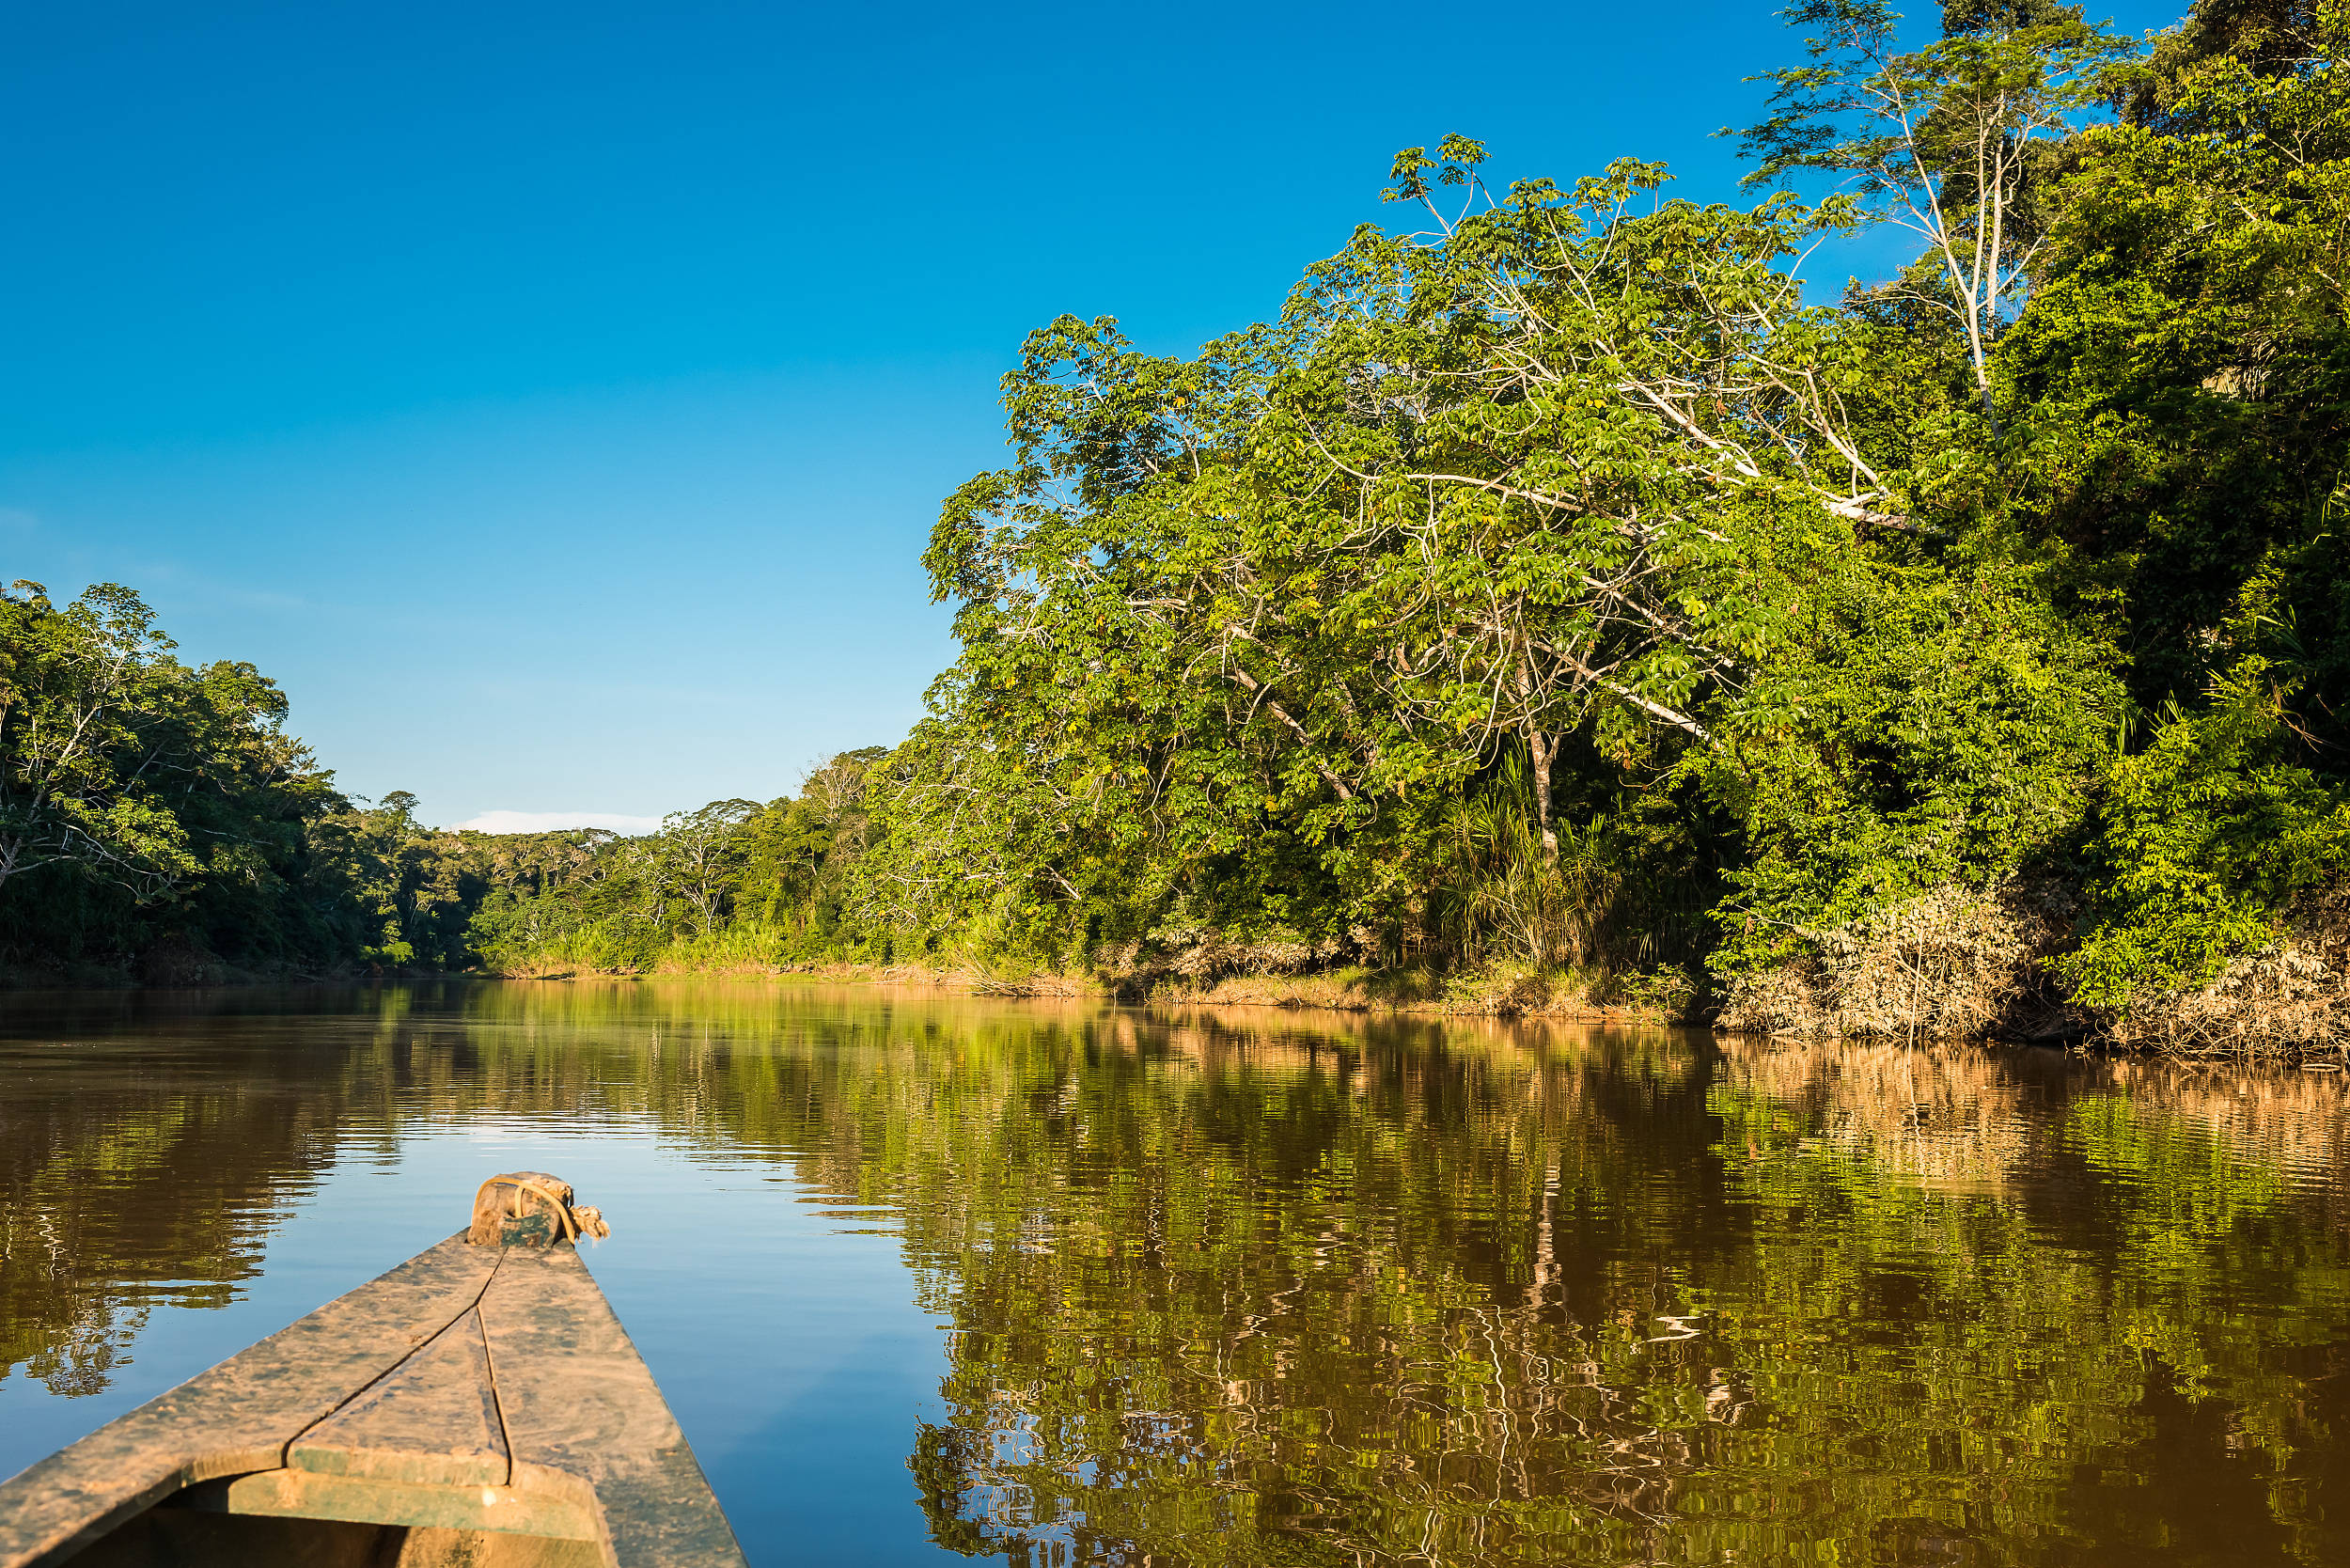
556 400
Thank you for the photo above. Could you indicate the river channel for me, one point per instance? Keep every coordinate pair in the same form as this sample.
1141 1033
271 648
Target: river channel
929 1279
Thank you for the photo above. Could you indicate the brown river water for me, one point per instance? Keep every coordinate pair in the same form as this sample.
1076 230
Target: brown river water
931 1278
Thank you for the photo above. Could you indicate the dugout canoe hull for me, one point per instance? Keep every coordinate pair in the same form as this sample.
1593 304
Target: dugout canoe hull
477 1406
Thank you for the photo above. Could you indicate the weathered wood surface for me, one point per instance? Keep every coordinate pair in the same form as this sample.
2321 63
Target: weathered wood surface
240 1415
475 1389
578 1402
433 1421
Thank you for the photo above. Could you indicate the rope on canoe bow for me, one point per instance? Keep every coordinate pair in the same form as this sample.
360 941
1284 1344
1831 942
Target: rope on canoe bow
575 1222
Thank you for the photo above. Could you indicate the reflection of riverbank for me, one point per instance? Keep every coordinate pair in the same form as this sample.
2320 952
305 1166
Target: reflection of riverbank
131 1176
1500 993
1557 999
1986 1115
148 1160
1260 1286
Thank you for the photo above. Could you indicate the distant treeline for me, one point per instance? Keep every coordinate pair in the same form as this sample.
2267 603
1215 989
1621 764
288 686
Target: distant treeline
158 823
1549 592
737 884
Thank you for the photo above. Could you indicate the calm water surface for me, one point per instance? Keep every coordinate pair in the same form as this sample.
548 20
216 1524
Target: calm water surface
928 1279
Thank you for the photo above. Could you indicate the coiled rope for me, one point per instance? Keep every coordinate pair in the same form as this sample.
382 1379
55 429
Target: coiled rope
575 1222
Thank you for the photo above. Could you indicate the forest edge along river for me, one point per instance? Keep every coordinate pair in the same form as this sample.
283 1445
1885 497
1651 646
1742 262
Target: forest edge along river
924 1277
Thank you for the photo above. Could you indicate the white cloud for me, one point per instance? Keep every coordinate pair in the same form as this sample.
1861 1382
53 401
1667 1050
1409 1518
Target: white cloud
547 822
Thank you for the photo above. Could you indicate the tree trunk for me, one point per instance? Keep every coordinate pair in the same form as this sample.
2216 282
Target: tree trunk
1543 749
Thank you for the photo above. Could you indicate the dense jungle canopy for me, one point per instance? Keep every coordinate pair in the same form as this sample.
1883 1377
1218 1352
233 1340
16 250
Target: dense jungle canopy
1559 584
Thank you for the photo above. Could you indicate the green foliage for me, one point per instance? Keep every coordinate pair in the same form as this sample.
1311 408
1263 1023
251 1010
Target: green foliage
1956 143
2187 355
1935 728
141 798
157 821
411 897
1547 482
1557 554
94 703
2186 365
2208 836
732 886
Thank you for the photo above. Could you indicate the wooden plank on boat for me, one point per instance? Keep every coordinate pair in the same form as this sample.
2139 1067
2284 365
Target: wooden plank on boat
432 1421
566 1514
240 1415
579 1402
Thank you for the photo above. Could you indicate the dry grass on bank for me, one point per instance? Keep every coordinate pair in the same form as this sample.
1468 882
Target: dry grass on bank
2293 998
1500 993
1960 964
1950 963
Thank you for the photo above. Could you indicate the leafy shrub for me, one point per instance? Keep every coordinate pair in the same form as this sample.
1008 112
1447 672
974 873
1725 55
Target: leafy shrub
2208 835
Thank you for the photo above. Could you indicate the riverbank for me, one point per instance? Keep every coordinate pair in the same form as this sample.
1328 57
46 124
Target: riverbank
2283 1007
1942 980
1501 993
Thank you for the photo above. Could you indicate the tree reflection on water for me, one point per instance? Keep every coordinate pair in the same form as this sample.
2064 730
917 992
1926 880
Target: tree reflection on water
1271 1290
